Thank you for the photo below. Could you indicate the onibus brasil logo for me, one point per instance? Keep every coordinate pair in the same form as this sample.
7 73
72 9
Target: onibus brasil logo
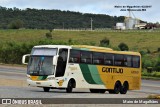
21 101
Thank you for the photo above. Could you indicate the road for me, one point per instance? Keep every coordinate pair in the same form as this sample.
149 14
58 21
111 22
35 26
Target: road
11 89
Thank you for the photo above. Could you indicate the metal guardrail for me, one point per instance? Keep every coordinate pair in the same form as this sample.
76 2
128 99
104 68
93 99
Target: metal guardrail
107 30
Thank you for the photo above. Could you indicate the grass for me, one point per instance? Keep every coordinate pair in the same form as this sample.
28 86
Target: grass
150 78
154 75
13 65
23 35
135 40
154 96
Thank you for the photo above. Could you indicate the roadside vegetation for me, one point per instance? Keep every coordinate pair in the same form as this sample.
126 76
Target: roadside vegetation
151 75
136 41
15 43
154 96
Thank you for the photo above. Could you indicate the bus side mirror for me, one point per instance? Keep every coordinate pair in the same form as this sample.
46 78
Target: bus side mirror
24 58
55 59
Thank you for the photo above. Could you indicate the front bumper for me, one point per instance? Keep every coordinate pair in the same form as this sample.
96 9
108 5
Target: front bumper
48 83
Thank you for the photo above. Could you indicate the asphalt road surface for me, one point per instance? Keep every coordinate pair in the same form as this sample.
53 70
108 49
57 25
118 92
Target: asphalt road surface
19 73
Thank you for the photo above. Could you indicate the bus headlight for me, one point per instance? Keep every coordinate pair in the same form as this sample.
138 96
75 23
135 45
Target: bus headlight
50 78
28 77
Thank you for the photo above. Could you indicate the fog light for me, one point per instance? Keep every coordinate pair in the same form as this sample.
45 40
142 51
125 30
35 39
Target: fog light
28 77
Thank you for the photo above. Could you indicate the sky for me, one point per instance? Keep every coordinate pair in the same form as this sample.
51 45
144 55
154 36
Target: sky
108 7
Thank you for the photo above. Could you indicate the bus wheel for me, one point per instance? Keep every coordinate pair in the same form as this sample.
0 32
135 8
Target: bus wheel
124 88
69 87
46 89
117 87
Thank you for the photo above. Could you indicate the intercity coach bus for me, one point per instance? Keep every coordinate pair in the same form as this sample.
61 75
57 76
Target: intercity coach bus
98 69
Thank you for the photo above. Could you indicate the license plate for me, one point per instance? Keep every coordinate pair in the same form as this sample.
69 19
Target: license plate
38 83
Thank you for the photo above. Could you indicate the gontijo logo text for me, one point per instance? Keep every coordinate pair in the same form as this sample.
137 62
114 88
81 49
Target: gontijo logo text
112 70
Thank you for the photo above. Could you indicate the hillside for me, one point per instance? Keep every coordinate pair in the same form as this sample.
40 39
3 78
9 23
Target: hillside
15 43
136 41
49 19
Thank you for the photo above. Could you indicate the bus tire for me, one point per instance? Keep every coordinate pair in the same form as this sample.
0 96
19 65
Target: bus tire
46 89
117 87
124 88
69 87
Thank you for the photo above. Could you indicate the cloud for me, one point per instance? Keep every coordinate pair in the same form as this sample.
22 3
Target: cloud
90 6
3 2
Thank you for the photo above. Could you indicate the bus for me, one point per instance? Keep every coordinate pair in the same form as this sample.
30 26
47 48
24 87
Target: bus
98 69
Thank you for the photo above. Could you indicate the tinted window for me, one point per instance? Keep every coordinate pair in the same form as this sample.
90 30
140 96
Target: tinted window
118 60
136 61
74 56
128 60
44 51
86 57
97 58
61 63
63 53
108 59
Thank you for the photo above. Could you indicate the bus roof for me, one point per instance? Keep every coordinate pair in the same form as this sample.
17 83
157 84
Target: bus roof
52 46
127 53
103 49
95 48
89 48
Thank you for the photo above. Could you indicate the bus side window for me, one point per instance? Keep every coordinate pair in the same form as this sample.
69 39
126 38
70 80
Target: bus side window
128 60
98 58
118 60
136 61
108 59
74 56
86 57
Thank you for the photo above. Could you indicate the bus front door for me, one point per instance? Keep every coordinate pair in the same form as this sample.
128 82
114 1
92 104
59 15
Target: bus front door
61 63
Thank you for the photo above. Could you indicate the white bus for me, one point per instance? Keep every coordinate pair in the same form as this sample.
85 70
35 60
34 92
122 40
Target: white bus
79 66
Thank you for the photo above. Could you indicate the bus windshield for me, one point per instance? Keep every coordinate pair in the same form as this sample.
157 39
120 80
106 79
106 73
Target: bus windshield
44 51
41 65
41 61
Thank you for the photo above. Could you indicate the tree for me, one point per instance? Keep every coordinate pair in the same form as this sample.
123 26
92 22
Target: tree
123 47
16 24
49 35
157 67
142 52
50 19
104 42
